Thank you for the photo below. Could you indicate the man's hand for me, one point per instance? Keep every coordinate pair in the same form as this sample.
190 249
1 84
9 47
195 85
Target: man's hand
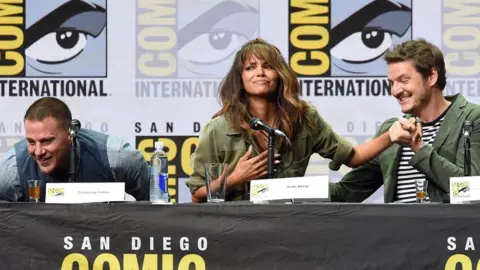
417 136
407 132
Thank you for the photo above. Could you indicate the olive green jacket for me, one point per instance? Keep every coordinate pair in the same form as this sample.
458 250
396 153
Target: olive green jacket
219 142
439 162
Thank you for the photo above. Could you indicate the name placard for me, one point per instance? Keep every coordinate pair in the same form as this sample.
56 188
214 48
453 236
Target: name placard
84 192
464 189
314 188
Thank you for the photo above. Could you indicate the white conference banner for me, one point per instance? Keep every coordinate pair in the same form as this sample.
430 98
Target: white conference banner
148 70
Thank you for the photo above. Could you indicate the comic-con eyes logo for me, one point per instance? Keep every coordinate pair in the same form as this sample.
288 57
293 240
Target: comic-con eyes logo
461 189
259 189
345 38
54 38
55 192
192 39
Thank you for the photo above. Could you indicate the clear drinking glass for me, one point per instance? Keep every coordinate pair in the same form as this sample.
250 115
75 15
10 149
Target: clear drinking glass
34 188
421 190
216 177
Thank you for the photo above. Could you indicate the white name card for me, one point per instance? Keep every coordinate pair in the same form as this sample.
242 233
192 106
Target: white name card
314 188
84 192
464 190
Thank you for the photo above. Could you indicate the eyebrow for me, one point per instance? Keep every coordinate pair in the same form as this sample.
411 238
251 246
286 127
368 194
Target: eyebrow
357 21
399 77
261 62
56 18
207 20
42 139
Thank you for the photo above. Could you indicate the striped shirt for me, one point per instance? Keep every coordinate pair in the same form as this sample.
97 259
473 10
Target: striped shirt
406 174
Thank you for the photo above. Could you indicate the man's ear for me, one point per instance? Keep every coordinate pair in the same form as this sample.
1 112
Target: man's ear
433 77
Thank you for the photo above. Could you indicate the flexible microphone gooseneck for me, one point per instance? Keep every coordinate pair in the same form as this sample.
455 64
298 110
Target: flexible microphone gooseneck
75 126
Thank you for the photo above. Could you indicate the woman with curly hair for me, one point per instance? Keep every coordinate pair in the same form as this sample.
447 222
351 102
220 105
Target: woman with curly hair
261 84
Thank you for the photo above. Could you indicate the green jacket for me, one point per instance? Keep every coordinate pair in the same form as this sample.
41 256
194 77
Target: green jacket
439 162
219 142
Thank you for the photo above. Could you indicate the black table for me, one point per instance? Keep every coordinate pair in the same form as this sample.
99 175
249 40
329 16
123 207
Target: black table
239 236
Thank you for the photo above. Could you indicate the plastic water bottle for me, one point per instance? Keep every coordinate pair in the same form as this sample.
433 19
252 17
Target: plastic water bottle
159 175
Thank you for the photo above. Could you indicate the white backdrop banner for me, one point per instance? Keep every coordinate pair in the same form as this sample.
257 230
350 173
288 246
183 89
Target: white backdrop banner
149 70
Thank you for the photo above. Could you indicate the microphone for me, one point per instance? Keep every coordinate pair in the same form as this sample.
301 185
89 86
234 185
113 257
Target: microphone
467 128
75 125
257 124
467 161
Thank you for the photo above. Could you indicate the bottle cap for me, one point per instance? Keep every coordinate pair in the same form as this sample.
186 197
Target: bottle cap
159 145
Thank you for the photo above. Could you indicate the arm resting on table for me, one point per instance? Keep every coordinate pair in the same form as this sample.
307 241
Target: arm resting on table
200 195
439 170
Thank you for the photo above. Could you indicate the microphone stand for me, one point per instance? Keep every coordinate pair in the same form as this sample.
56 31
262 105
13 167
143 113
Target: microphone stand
73 156
467 161
271 154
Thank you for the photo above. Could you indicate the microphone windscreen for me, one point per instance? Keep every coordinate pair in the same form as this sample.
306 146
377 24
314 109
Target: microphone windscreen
75 124
253 123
